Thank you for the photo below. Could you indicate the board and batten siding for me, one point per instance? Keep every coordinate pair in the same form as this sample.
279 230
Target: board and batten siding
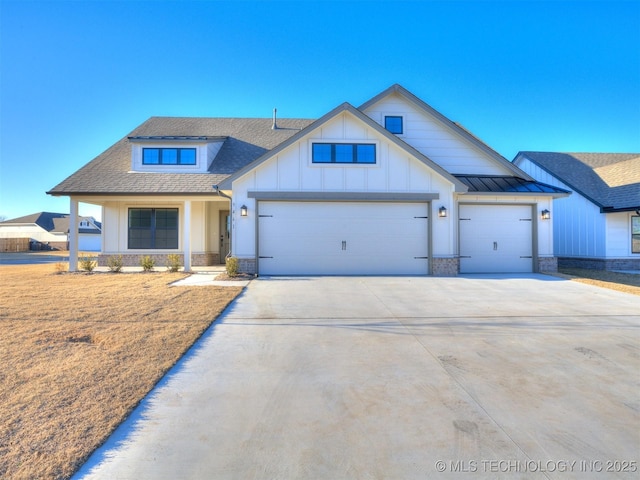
579 229
116 226
292 170
437 142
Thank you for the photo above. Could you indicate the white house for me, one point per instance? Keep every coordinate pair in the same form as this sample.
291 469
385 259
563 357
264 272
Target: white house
391 187
47 230
598 226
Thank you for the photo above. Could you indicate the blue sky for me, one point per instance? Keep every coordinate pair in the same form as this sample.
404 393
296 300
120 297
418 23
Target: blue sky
76 76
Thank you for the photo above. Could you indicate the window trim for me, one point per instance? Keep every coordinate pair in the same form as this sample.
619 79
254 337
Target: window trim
153 229
334 159
178 159
401 117
635 235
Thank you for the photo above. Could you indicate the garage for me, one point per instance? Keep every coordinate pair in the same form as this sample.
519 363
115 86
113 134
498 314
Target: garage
343 238
496 238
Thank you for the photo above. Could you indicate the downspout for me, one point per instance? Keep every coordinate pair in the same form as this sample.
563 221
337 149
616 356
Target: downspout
222 194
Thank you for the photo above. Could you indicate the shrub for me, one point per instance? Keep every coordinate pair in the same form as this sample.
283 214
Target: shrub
114 262
232 266
61 267
147 263
174 262
88 264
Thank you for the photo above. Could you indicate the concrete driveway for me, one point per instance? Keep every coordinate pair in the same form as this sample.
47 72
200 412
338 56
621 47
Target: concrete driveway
397 378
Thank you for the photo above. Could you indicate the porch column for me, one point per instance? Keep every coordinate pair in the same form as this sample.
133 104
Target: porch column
186 235
73 235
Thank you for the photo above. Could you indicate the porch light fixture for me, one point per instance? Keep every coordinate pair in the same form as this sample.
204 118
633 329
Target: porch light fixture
442 212
243 211
545 214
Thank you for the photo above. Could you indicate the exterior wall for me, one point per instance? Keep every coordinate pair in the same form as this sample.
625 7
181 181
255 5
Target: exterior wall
205 154
445 267
600 263
204 231
31 231
581 232
292 170
618 236
133 259
434 140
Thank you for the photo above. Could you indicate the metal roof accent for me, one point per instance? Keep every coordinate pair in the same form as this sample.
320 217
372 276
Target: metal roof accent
507 184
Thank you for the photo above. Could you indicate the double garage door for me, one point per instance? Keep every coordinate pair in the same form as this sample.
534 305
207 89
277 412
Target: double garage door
342 238
371 238
496 238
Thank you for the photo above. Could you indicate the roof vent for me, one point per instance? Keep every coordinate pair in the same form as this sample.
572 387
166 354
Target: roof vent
275 125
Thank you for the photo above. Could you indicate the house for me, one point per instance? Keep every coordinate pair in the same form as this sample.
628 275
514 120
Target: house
598 226
391 187
48 231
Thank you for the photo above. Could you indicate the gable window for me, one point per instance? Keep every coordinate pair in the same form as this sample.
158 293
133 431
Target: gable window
635 234
393 123
343 153
168 156
153 228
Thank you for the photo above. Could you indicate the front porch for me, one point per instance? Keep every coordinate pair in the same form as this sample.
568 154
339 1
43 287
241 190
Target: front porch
198 229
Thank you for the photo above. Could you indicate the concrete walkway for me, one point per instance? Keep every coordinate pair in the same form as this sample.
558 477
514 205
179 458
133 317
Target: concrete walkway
397 378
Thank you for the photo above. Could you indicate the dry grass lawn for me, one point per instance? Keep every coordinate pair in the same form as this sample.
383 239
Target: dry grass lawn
79 351
623 282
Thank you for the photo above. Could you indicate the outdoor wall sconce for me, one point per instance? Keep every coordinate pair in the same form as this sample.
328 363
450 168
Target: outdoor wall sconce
243 211
442 212
545 214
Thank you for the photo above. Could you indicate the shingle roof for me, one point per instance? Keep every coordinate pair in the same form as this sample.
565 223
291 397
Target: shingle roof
45 220
246 139
610 180
52 222
506 184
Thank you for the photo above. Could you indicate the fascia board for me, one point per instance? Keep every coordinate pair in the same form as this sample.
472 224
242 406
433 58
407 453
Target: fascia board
346 107
451 126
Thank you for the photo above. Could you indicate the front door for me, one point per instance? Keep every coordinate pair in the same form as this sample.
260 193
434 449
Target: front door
225 235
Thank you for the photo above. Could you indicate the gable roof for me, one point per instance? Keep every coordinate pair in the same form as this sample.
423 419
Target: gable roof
453 127
45 220
347 107
245 139
609 180
52 222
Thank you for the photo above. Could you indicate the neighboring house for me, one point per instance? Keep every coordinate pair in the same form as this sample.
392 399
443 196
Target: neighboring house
599 225
48 231
391 187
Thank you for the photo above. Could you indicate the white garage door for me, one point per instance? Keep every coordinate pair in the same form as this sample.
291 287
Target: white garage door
496 239
342 238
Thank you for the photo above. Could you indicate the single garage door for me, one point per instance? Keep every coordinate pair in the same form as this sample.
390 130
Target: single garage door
496 238
342 238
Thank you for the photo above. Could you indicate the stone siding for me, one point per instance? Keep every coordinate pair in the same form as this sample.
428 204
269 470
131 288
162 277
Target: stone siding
600 263
247 265
445 267
133 259
548 264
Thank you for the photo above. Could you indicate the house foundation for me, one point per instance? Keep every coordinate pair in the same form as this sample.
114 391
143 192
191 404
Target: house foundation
600 263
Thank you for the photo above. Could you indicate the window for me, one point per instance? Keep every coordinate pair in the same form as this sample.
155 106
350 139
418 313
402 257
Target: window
343 153
635 234
153 228
393 124
168 156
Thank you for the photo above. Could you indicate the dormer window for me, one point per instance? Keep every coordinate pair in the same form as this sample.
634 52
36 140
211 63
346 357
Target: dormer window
393 123
168 156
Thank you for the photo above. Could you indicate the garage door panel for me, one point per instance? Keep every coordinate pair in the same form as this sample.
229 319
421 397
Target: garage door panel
496 239
342 238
